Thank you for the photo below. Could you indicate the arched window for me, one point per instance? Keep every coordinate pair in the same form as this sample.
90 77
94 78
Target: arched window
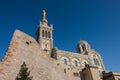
49 35
43 33
65 61
46 34
83 47
96 62
76 63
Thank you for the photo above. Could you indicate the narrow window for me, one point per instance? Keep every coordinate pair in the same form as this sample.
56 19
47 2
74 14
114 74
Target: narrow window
46 34
43 33
76 63
65 61
83 47
96 62
49 36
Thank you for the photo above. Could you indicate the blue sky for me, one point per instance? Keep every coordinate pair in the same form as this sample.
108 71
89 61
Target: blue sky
96 21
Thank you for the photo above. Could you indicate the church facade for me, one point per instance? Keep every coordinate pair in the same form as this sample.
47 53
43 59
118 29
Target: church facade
47 62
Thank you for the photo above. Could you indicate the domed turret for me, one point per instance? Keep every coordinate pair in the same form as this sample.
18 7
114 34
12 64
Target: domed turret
83 46
54 52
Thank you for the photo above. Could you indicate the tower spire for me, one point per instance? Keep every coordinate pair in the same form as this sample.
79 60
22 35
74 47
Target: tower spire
44 20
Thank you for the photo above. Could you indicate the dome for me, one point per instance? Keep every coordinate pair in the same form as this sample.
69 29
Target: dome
82 42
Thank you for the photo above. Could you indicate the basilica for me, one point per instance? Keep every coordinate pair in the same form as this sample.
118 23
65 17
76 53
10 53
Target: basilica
47 62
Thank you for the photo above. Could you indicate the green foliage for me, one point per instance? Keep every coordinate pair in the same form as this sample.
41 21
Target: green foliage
23 73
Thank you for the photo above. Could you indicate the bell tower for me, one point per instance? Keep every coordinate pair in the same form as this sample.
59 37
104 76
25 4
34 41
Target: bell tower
44 33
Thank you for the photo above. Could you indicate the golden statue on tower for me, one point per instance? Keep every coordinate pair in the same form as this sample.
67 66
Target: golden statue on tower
44 14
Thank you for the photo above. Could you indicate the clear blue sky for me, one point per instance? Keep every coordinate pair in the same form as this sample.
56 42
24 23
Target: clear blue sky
96 21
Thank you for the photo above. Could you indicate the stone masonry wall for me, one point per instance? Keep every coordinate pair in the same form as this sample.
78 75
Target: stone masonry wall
25 48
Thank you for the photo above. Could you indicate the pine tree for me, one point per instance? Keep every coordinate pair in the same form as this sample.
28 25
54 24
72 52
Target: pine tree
23 73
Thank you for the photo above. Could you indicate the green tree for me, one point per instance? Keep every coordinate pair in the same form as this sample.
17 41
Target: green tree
23 74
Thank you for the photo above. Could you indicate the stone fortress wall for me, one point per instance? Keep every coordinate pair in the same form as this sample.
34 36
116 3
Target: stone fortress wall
24 48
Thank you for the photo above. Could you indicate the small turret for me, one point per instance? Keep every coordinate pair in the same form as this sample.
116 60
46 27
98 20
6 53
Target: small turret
54 53
83 47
